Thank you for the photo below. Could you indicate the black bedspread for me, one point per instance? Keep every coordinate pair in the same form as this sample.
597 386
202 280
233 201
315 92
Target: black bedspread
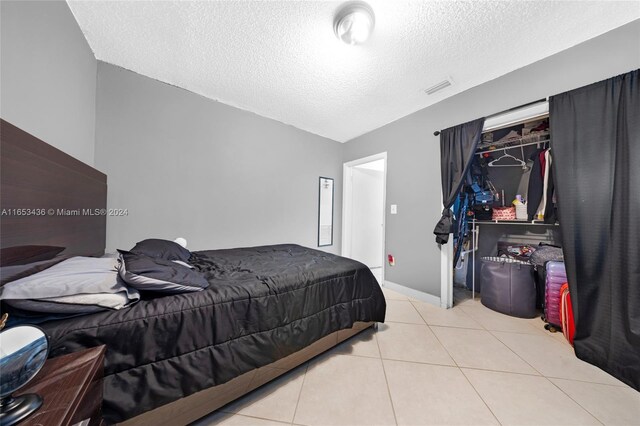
262 304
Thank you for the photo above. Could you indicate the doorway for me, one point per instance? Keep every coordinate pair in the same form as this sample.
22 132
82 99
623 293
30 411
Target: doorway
363 218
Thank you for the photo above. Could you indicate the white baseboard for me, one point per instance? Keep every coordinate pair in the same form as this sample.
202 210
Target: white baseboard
413 293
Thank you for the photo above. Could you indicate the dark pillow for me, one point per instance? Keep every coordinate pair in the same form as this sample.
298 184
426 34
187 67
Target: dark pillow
23 255
146 273
162 249
15 272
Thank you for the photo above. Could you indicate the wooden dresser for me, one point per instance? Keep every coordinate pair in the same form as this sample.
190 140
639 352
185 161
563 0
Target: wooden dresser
71 387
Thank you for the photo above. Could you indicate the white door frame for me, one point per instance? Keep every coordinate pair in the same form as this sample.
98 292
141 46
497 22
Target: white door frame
446 273
347 200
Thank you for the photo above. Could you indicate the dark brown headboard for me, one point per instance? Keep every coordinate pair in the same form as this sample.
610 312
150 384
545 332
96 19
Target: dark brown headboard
35 175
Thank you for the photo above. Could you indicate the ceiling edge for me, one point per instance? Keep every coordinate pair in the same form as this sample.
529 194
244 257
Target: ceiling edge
493 79
329 139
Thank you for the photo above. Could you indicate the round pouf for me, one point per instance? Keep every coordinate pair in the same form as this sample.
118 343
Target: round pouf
508 286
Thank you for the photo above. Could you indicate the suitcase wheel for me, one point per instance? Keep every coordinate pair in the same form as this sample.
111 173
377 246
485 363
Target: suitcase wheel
550 328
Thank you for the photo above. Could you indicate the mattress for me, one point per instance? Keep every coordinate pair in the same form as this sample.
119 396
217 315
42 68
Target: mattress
262 304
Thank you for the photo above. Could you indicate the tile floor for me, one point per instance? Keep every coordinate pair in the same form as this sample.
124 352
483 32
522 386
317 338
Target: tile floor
428 366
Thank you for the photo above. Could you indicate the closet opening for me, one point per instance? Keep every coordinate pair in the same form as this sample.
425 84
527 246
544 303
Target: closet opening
508 207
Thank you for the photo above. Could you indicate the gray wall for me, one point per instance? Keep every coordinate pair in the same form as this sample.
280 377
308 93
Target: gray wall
48 76
413 174
184 165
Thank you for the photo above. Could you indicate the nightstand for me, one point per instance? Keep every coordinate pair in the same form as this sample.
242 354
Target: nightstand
71 387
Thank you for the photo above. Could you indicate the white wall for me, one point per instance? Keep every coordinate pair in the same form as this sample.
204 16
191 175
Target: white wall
184 165
366 224
48 76
413 153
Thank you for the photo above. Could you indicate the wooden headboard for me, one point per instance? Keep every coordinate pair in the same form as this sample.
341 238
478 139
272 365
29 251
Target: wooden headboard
65 196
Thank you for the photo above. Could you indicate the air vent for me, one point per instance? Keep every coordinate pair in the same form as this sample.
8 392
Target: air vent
433 89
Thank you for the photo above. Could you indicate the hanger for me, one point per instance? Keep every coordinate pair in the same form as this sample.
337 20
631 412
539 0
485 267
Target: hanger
544 144
519 163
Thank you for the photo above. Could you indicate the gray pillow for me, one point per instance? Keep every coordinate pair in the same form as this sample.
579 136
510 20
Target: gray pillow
76 285
15 272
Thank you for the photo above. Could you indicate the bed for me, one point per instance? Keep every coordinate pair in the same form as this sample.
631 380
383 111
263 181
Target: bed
173 359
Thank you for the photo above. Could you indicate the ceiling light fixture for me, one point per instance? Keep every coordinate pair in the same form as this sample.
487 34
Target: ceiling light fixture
354 22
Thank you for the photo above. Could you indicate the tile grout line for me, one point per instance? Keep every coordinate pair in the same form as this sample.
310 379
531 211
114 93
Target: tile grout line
401 322
621 386
577 403
545 377
420 362
480 396
237 413
468 368
255 417
386 380
465 376
377 344
452 326
492 332
415 310
443 346
541 374
295 411
421 316
484 327
471 316
514 352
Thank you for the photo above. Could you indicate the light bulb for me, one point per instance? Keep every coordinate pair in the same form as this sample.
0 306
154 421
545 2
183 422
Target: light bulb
360 28
354 23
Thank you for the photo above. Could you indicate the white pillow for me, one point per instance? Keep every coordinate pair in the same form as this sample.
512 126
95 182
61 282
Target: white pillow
181 241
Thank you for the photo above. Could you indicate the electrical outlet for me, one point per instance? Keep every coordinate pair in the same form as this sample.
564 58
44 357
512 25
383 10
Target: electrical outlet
394 209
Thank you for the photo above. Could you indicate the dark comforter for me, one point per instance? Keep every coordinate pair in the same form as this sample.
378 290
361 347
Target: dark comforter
262 304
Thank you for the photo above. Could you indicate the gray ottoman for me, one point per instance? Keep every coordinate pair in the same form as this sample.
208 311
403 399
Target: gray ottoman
508 286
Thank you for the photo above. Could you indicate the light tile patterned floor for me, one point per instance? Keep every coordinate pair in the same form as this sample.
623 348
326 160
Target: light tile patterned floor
428 366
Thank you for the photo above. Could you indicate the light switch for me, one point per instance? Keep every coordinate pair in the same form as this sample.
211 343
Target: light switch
394 209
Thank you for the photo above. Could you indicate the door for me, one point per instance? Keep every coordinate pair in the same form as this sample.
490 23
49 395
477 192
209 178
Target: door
363 227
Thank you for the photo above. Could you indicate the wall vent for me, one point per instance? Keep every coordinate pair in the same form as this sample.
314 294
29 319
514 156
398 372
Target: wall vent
433 89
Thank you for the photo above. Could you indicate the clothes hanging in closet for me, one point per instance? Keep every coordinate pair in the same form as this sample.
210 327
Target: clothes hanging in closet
541 188
550 210
536 184
523 186
546 165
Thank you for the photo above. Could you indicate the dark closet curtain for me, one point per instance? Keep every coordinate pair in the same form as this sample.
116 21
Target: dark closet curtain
457 146
596 149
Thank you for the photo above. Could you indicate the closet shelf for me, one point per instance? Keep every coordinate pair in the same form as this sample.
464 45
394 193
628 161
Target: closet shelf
515 143
513 222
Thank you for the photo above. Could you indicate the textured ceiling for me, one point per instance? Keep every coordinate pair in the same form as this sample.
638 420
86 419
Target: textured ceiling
280 59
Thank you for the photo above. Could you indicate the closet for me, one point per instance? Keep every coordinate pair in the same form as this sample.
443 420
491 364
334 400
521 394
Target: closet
594 162
510 163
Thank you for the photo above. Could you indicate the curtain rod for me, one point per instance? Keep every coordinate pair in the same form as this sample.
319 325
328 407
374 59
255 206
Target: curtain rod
437 132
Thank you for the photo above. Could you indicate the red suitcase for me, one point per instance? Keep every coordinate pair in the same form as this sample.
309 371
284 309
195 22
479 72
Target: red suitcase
566 313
